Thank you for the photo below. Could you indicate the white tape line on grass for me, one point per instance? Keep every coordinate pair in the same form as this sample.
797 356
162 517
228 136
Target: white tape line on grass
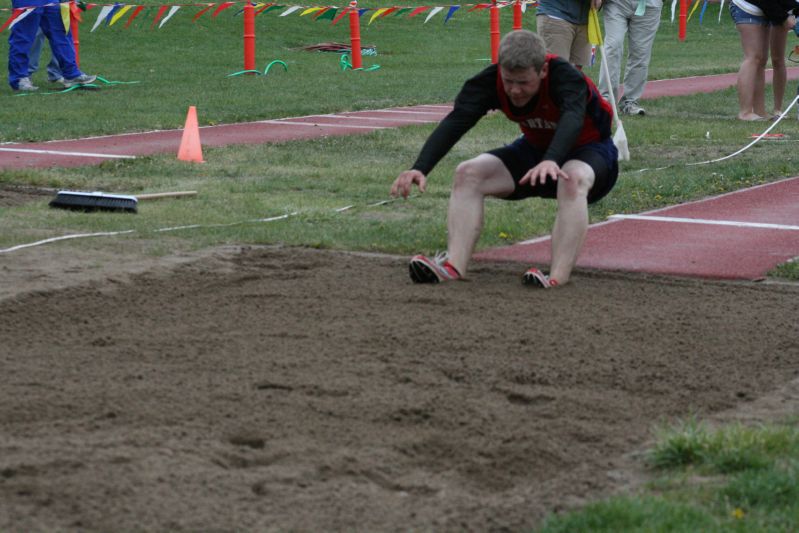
59 152
64 238
732 223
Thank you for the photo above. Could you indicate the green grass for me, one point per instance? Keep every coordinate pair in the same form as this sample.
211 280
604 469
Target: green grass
733 478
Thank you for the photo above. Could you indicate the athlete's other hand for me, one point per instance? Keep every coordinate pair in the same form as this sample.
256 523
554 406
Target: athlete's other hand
542 171
404 183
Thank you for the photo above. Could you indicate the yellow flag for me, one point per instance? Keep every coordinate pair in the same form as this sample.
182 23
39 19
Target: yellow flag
377 14
594 31
311 10
65 16
119 14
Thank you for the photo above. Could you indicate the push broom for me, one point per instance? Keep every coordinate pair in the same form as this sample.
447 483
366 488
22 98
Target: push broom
100 201
595 38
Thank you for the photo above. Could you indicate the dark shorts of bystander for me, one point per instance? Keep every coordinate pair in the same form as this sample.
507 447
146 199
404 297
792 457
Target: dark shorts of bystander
520 156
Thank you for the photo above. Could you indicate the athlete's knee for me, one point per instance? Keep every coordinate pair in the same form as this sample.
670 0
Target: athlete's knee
468 175
577 185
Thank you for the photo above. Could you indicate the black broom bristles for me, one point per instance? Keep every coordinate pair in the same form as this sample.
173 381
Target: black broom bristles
94 201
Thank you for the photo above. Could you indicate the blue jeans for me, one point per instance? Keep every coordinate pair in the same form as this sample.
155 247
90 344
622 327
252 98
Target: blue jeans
53 69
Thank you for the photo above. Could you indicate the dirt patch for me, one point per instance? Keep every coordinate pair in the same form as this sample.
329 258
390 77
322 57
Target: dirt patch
11 196
294 389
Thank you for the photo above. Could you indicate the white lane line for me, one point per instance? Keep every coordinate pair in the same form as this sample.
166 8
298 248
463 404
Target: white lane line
393 119
398 111
733 223
322 125
59 152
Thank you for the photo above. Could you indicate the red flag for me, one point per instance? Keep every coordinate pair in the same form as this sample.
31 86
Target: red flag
418 10
201 12
134 15
14 14
161 11
222 7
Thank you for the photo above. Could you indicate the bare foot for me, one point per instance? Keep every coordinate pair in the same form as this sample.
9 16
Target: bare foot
750 117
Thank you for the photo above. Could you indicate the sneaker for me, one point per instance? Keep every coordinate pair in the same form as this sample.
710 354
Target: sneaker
535 278
425 270
24 84
83 79
632 108
59 81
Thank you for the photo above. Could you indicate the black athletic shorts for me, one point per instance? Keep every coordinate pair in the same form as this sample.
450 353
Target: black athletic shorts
520 156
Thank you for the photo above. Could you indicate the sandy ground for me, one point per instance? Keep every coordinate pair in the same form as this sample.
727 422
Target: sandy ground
293 389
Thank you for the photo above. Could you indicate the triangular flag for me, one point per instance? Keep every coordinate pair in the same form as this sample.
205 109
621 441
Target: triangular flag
169 16
452 10
693 9
270 7
721 9
75 10
223 6
290 10
161 11
202 12
479 6
433 13
14 14
134 15
418 10
101 17
310 10
340 15
119 14
329 13
65 16
377 14
113 12
401 11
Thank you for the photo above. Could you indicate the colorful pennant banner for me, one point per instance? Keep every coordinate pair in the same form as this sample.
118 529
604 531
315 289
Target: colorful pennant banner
109 15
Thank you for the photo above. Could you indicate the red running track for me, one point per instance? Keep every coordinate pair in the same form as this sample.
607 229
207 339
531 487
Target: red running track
738 236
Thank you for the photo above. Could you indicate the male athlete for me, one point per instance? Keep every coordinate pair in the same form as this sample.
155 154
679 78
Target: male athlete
566 152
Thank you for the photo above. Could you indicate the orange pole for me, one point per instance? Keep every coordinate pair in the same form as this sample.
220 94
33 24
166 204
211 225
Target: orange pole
494 23
517 15
249 36
355 35
683 19
73 27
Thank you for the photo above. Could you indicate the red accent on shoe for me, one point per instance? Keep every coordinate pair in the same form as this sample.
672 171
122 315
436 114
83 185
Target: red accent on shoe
553 282
454 271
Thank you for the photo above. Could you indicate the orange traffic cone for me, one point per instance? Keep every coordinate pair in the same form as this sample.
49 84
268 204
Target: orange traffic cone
190 148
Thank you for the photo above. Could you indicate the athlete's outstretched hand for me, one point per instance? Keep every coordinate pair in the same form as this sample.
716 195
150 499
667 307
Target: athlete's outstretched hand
403 184
543 170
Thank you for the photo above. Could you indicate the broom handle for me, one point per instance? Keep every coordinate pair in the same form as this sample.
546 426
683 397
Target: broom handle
156 195
610 85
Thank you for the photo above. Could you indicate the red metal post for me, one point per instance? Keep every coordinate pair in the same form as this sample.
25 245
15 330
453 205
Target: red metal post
683 19
249 36
73 27
517 15
494 22
355 35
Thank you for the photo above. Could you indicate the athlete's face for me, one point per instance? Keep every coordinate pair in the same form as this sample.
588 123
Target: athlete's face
522 84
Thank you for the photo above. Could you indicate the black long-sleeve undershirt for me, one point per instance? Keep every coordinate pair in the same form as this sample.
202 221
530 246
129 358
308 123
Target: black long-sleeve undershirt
479 96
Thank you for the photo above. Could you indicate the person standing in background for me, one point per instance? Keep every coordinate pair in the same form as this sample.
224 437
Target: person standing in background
47 17
564 26
54 74
638 20
763 26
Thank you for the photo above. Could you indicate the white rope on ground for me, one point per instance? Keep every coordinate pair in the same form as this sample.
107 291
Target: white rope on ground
177 228
63 238
757 139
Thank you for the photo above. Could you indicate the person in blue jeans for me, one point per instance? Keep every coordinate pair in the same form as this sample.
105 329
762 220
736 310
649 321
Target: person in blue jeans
46 17
54 73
